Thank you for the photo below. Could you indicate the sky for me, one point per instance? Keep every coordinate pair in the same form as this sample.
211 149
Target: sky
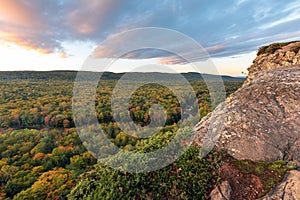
61 34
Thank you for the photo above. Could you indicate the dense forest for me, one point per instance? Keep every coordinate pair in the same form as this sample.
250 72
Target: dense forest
42 157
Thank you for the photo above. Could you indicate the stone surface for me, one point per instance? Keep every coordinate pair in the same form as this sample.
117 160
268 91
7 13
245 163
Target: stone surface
280 58
261 120
222 192
289 189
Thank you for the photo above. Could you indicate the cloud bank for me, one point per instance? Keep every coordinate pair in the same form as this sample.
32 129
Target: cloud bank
224 28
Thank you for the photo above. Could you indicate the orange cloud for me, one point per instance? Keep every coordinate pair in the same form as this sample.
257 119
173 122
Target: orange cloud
19 13
63 55
24 24
216 48
41 26
172 60
104 52
21 41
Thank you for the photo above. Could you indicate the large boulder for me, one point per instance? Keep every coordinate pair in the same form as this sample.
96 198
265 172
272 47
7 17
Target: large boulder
262 119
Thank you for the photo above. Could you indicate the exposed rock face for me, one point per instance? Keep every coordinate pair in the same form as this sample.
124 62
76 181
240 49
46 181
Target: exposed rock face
287 190
262 119
285 56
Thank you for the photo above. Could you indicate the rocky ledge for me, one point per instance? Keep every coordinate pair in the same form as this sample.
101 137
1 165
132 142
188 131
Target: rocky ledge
261 120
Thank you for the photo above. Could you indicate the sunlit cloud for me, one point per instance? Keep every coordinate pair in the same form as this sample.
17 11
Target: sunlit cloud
26 24
224 28
19 13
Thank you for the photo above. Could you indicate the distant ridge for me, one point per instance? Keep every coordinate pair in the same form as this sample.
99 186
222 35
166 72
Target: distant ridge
71 75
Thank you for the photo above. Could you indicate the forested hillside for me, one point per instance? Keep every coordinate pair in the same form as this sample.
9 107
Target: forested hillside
41 155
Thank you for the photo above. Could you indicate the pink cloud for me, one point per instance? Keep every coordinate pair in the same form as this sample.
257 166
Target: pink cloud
19 13
88 17
25 24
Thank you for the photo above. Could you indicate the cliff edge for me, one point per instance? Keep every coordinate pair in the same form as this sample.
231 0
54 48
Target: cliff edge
262 119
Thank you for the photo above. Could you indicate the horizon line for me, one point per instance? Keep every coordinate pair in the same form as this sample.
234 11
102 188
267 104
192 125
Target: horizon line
239 76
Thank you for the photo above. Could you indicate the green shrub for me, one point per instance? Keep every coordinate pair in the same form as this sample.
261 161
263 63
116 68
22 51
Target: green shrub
188 178
269 49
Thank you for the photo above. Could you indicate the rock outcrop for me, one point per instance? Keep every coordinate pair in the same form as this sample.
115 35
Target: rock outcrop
261 120
285 56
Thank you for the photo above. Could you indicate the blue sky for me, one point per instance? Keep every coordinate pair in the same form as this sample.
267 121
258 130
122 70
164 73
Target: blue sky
51 35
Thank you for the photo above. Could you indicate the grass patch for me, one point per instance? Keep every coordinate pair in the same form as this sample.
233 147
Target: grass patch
269 49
